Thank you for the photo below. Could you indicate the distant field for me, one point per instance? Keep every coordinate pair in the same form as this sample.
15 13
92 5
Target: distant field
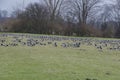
58 63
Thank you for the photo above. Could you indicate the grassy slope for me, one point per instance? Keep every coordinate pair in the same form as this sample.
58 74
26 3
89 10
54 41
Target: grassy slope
45 63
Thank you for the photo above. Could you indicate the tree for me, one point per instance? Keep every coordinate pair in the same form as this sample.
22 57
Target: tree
4 13
0 14
117 17
54 7
105 16
83 9
33 19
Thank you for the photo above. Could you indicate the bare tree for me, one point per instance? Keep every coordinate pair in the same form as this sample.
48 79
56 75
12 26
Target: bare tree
33 19
54 7
117 17
117 10
4 13
83 9
105 16
0 13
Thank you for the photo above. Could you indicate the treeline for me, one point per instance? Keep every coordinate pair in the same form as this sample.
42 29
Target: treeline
67 17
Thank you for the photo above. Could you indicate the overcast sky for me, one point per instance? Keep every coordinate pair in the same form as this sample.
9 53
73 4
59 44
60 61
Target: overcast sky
10 5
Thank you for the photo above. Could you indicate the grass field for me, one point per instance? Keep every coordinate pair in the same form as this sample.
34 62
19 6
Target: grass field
51 63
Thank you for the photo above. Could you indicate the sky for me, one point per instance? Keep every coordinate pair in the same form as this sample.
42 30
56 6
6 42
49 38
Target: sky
10 5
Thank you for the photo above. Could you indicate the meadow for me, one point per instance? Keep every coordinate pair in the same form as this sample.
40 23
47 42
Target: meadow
51 62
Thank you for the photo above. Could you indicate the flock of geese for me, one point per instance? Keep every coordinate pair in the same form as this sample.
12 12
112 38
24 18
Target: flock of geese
30 40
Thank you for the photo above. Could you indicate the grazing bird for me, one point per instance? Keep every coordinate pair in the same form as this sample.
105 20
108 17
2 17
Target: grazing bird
63 45
99 48
55 44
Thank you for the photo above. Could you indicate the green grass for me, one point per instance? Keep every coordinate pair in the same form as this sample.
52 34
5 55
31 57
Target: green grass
50 63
